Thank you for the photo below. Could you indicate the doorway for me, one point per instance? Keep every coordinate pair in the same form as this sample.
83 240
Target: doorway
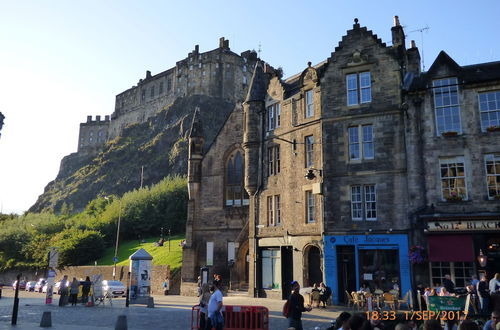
313 266
286 271
346 268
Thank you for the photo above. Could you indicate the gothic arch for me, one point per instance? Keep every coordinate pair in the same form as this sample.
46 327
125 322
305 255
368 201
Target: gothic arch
313 265
235 194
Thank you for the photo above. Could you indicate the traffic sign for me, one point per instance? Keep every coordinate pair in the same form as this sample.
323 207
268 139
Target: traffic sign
115 259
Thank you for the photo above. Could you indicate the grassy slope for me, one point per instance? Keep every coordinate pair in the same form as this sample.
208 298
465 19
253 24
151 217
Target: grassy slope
161 254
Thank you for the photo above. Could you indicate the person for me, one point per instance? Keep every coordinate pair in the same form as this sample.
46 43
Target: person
342 320
468 324
204 300
483 294
315 293
432 324
64 291
474 280
296 307
493 321
166 286
355 322
448 284
86 289
324 294
364 288
444 292
199 286
495 283
215 318
73 293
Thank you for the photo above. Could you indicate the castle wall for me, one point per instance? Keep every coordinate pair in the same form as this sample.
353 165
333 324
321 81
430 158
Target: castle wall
93 134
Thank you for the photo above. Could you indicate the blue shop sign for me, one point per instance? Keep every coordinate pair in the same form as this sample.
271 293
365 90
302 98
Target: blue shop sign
360 243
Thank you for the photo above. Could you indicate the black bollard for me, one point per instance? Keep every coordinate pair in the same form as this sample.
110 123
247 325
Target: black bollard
16 301
46 321
121 323
127 302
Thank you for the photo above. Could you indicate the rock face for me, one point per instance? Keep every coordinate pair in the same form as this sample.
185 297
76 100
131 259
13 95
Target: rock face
158 147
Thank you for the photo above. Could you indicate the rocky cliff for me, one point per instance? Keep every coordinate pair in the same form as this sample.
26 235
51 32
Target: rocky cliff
159 146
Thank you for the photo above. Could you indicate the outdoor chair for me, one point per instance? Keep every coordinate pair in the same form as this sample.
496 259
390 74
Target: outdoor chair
315 298
350 301
358 300
389 300
404 300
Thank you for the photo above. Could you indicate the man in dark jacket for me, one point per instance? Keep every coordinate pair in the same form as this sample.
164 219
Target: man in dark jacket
296 307
448 284
483 294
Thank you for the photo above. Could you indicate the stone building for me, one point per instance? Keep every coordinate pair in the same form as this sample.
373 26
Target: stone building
453 137
93 134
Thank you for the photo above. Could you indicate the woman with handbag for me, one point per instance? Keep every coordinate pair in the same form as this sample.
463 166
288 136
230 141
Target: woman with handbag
204 299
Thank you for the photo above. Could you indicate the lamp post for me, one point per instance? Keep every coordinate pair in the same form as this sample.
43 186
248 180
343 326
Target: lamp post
169 240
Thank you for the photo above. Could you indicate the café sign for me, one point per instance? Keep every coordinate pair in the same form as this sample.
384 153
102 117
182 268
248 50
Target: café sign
464 225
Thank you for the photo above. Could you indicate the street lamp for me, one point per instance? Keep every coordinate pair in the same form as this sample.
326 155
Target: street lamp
168 240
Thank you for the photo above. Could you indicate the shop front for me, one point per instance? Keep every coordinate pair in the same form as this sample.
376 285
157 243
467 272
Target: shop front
378 261
461 247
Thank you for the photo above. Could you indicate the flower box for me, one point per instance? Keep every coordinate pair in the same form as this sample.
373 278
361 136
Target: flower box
493 129
448 134
454 198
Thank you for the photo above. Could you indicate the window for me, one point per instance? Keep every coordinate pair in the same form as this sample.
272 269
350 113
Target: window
309 144
236 194
273 210
493 175
446 105
489 107
143 95
271 269
273 160
309 104
460 272
152 92
310 207
359 88
169 84
273 116
361 149
160 91
453 178
364 202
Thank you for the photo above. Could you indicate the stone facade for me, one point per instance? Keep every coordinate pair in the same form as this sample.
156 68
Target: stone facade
93 134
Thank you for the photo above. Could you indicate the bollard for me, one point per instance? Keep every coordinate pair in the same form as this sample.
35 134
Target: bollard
46 321
121 322
15 307
151 302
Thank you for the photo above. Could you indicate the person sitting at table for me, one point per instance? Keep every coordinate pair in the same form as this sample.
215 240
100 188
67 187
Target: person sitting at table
324 294
444 292
315 293
364 288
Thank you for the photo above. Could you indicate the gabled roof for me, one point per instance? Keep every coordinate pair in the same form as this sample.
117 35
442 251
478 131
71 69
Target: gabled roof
358 31
441 60
293 84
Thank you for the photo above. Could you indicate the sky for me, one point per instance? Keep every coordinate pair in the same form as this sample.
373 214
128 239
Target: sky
63 60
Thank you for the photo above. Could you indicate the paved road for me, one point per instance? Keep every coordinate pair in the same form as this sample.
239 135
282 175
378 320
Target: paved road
170 312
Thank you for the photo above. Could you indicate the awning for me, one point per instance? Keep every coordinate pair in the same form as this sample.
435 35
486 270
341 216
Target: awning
447 248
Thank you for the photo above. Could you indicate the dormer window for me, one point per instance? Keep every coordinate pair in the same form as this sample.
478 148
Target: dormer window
446 105
309 104
359 88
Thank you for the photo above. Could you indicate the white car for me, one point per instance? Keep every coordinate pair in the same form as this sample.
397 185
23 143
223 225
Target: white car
114 288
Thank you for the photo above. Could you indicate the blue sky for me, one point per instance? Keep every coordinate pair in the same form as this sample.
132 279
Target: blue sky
63 60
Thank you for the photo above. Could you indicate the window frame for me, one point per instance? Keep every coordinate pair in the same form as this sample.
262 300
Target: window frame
309 150
273 160
447 161
445 92
488 111
356 86
310 206
309 103
230 188
273 113
362 206
495 158
361 143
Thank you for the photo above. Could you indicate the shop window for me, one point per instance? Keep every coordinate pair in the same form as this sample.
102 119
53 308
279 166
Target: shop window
489 107
446 105
236 194
273 160
309 151
492 163
379 269
361 142
271 269
359 88
453 185
364 202
309 104
310 207
460 273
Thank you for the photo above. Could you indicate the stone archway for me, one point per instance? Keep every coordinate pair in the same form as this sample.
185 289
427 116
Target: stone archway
240 270
313 271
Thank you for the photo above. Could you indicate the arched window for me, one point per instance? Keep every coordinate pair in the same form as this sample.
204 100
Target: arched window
236 194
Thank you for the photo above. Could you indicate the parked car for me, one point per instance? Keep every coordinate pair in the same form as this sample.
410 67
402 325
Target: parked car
30 286
114 288
22 285
39 285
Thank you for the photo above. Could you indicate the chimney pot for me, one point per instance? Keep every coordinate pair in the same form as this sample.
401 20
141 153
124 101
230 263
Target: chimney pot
196 49
148 74
221 42
413 44
396 20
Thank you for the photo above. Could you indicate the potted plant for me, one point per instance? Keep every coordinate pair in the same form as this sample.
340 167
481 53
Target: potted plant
449 133
416 254
493 128
454 197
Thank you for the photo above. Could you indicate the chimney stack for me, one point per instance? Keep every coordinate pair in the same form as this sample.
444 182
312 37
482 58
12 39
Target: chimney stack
148 74
398 35
221 42
396 21
413 44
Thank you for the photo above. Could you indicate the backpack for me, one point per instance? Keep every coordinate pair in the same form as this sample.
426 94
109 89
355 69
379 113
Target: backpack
286 309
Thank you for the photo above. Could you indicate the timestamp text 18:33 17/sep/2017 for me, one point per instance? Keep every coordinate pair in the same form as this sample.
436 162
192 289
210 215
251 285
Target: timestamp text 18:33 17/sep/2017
416 315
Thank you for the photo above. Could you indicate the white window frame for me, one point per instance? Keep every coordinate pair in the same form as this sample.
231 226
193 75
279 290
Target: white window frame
310 207
452 164
309 99
270 211
309 150
273 116
493 178
360 144
442 91
450 269
277 209
273 160
489 107
361 88
364 202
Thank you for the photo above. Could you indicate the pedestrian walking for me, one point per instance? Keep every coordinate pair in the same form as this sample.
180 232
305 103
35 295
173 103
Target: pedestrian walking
63 287
296 307
204 300
86 289
166 286
73 291
215 318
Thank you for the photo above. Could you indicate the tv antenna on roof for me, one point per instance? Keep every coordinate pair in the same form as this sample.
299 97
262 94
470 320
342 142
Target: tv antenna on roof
426 28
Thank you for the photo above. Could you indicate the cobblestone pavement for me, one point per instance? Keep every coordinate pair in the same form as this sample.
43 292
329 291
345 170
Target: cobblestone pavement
170 312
